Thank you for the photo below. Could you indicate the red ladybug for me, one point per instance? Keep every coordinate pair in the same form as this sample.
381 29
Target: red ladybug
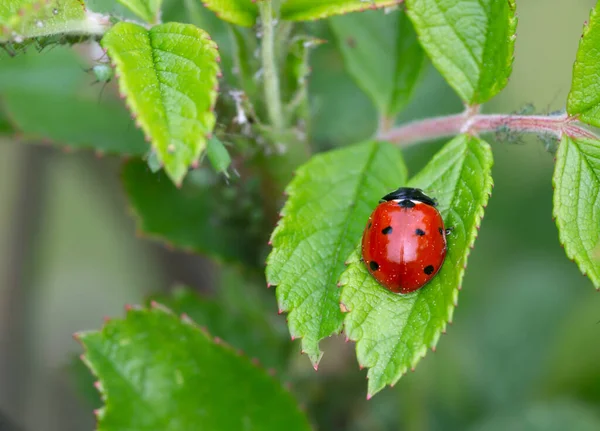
404 243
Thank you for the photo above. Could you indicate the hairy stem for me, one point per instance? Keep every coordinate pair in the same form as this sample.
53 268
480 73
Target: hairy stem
271 79
469 122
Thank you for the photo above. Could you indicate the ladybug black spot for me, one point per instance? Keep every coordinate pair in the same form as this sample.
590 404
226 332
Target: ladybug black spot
406 203
369 227
374 265
420 232
428 269
387 230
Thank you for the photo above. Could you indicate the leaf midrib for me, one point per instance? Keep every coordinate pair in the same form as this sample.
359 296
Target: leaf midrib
400 336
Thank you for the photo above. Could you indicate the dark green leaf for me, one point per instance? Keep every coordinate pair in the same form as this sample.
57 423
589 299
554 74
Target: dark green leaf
329 202
199 216
44 98
383 56
393 332
471 42
576 201
158 372
248 327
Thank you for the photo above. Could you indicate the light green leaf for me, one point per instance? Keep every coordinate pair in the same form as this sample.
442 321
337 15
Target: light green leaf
577 202
393 332
471 42
42 95
240 12
304 10
169 77
584 97
22 19
200 216
249 328
329 201
148 10
157 372
383 56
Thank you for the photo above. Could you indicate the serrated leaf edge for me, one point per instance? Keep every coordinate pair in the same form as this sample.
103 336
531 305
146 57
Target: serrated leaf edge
347 8
488 186
289 193
582 266
184 318
585 31
141 233
131 104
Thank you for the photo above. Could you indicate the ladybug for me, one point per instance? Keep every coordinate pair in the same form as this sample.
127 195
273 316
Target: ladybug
404 242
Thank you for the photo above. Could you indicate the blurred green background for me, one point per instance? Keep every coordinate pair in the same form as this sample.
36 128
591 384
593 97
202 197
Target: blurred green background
523 352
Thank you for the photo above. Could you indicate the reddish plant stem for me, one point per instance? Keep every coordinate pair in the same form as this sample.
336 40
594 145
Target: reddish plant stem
442 127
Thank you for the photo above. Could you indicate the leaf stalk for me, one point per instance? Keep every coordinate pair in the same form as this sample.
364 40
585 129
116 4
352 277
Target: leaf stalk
429 129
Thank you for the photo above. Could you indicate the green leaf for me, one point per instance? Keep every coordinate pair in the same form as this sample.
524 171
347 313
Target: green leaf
42 96
584 97
329 201
148 10
471 42
383 56
245 12
169 76
304 10
158 372
200 216
248 328
240 12
576 202
392 332
22 19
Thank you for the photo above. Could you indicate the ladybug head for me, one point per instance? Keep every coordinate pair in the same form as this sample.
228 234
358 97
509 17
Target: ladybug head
408 193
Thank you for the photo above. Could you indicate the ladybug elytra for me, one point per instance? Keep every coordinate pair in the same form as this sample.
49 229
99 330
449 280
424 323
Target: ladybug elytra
404 242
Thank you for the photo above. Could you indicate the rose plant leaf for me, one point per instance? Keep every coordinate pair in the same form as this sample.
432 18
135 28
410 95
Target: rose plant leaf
392 331
584 97
23 19
576 183
383 55
240 12
251 328
329 201
47 97
157 371
148 10
305 10
471 42
168 75
197 216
